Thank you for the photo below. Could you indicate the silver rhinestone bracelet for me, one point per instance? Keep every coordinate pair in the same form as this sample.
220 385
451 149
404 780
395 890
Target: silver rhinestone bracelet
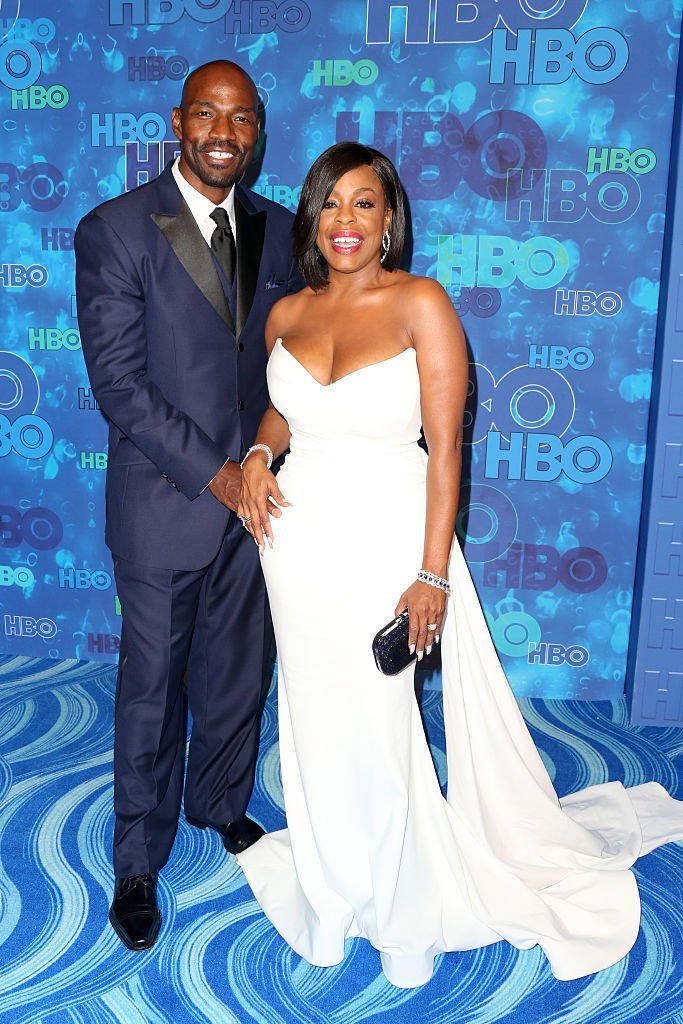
259 448
434 581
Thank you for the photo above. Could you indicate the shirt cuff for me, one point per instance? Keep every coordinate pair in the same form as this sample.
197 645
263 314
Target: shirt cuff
213 477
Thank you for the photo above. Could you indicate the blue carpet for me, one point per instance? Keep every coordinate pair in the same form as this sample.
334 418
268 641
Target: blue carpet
218 961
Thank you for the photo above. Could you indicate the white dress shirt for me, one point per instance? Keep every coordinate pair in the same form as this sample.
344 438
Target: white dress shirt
201 208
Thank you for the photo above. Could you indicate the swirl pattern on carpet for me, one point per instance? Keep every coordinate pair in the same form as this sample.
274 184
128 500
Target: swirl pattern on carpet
218 960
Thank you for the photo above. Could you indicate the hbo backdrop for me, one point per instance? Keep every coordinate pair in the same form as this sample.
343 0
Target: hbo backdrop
533 143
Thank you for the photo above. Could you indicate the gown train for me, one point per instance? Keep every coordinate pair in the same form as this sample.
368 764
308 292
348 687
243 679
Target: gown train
371 846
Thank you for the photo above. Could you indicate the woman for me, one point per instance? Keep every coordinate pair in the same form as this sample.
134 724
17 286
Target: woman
357 361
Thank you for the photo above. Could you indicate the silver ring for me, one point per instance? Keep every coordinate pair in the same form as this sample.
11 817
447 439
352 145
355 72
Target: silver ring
244 520
431 625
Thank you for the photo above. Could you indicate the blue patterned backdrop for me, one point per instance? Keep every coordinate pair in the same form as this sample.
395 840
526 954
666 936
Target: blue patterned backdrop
533 142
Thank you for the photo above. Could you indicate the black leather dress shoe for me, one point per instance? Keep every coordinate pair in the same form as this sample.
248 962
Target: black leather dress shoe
134 914
237 836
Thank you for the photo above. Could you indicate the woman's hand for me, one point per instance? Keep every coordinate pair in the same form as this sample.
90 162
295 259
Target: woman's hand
255 507
426 606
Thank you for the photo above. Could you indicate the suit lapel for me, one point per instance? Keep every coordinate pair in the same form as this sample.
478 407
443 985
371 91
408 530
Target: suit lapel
185 238
251 230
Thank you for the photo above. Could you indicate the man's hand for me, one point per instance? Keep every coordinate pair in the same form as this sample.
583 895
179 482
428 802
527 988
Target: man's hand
227 484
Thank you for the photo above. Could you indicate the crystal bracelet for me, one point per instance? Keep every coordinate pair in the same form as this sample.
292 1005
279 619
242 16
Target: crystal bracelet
434 581
259 448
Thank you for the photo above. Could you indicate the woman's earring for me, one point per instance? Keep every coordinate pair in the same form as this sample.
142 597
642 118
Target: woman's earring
386 239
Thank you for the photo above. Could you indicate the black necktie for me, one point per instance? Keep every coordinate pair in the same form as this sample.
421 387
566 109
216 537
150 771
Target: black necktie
223 242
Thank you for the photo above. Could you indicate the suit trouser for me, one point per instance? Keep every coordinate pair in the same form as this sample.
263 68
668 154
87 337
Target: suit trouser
212 623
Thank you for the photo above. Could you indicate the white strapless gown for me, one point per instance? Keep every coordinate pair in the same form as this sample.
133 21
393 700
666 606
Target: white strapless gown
372 848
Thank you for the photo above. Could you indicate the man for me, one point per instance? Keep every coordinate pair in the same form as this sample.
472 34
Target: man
174 283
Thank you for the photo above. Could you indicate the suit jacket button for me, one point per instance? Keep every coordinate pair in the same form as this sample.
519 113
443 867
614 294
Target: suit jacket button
240 405
240 346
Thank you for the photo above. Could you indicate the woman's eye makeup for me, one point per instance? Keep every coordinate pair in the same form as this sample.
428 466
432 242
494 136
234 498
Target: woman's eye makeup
365 204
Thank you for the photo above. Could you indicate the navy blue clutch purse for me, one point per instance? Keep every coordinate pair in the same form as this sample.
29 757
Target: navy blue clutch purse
390 646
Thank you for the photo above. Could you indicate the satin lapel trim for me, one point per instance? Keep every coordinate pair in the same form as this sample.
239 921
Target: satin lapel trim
186 240
251 231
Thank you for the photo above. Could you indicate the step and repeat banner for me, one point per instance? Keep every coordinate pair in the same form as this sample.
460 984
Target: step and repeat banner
533 142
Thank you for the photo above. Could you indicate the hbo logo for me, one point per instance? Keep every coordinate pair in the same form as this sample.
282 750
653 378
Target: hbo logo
144 164
104 643
82 579
20 59
541 567
153 69
282 194
556 55
565 196
40 30
244 16
118 128
497 261
558 357
344 72
26 625
557 654
29 436
585 459
481 302
57 239
41 186
434 152
37 97
52 339
585 303
38 527
17 576
456 22
532 399
16 275
640 161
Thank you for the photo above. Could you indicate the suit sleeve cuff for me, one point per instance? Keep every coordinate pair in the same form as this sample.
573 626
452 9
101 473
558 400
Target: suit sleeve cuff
205 487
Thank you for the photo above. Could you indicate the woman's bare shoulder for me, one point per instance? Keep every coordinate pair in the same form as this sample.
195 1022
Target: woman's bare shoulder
421 289
285 312
422 302
427 313
288 305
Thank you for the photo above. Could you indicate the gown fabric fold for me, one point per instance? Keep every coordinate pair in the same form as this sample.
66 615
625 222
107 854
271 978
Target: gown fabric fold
372 848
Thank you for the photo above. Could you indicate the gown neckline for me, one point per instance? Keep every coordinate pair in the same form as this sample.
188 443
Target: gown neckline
361 369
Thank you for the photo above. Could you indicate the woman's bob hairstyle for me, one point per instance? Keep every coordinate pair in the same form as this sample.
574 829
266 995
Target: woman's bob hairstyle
320 180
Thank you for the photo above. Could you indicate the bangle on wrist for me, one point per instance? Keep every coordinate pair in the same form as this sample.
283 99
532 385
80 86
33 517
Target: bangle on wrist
434 581
259 448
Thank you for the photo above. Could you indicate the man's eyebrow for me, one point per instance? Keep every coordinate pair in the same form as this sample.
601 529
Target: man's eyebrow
209 103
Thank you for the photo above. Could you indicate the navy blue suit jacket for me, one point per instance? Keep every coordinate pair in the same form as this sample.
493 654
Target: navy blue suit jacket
180 381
